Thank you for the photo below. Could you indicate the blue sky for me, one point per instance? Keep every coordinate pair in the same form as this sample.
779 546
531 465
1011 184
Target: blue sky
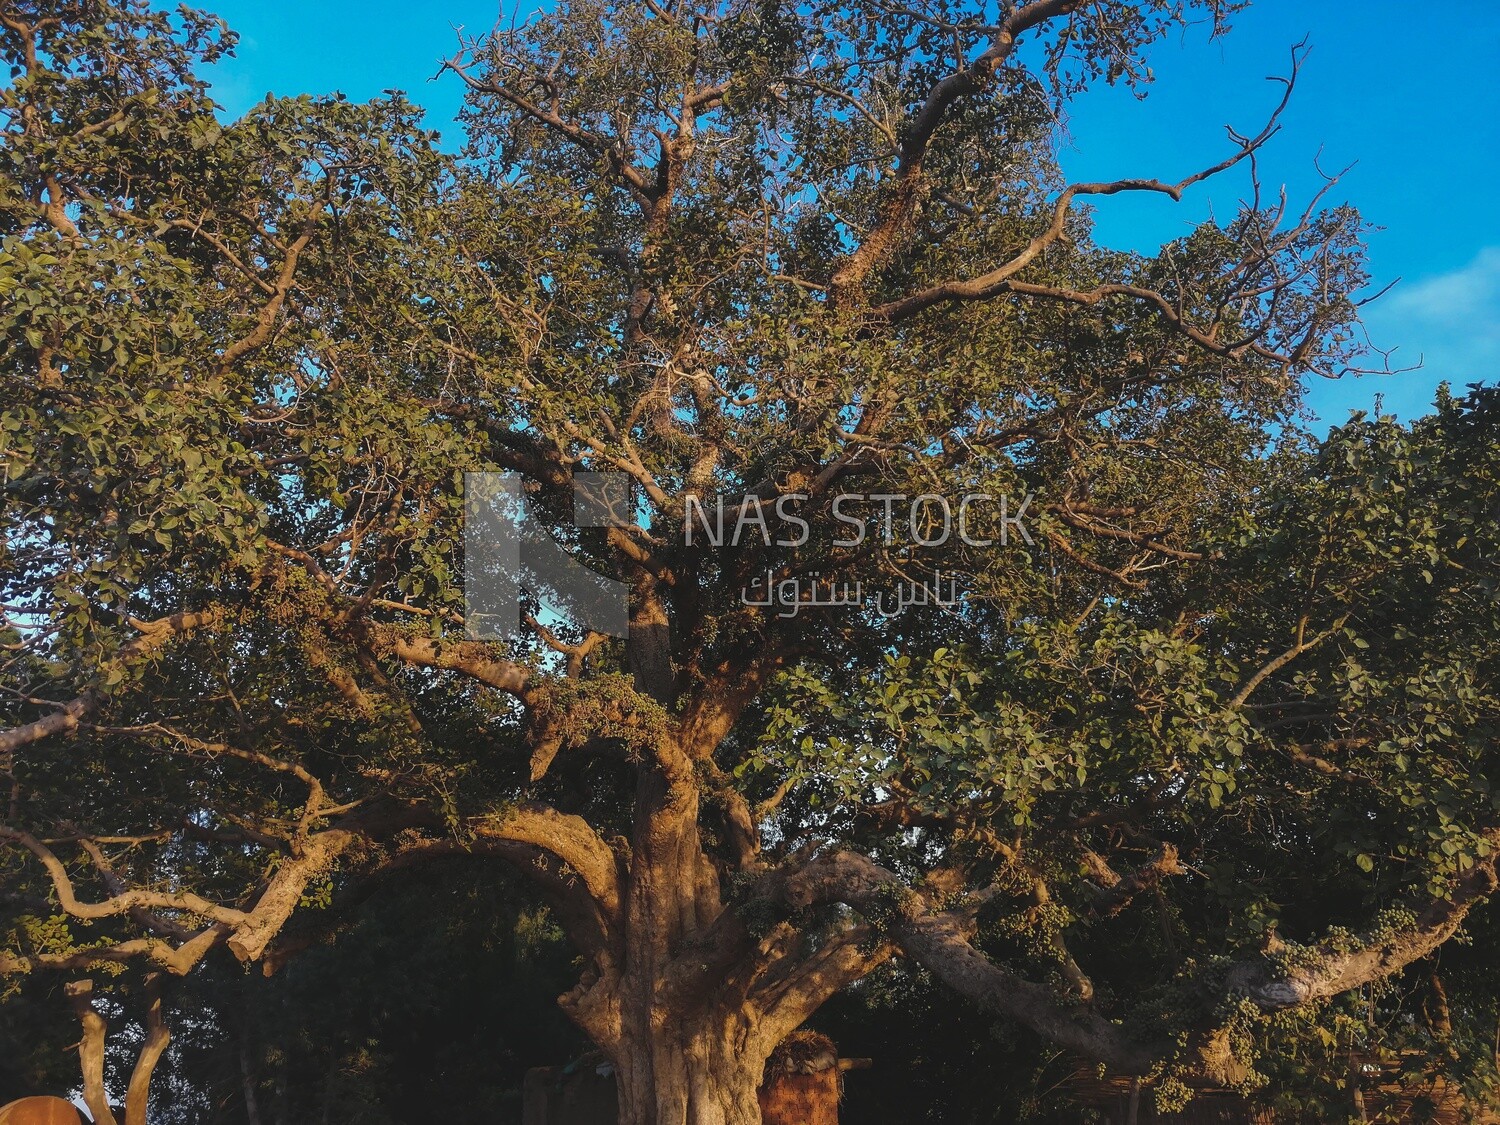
1405 90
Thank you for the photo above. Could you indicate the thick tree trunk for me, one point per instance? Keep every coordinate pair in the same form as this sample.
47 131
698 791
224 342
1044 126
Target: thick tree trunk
690 1076
679 1059
687 1005
91 1051
158 1036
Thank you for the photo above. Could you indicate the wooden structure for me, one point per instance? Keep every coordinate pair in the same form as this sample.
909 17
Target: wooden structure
801 1087
801 1099
582 1093
801 1084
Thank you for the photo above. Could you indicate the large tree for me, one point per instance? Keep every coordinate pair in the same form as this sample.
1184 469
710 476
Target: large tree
735 253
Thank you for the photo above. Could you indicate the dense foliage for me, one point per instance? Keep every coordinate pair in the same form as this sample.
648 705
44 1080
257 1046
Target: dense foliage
1193 782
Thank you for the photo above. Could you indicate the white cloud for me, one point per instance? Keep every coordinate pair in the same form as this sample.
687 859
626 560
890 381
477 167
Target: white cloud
1450 299
1449 322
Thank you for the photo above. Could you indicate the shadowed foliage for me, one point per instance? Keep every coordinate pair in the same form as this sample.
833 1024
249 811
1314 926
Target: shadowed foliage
1190 778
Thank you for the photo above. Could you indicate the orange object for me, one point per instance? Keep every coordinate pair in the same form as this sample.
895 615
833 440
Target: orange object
801 1099
40 1111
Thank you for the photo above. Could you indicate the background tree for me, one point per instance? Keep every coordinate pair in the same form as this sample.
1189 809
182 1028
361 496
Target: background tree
752 252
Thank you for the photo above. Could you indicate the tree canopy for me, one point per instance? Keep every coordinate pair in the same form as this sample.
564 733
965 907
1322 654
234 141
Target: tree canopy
1193 781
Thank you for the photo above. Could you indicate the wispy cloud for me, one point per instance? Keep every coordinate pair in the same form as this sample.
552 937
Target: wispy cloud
1450 322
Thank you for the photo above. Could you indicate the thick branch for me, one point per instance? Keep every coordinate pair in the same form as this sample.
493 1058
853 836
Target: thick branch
885 238
472 658
940 941
138 1093
999 279
1334 968
572 840
121 904
1115 891
91 1051
153 635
